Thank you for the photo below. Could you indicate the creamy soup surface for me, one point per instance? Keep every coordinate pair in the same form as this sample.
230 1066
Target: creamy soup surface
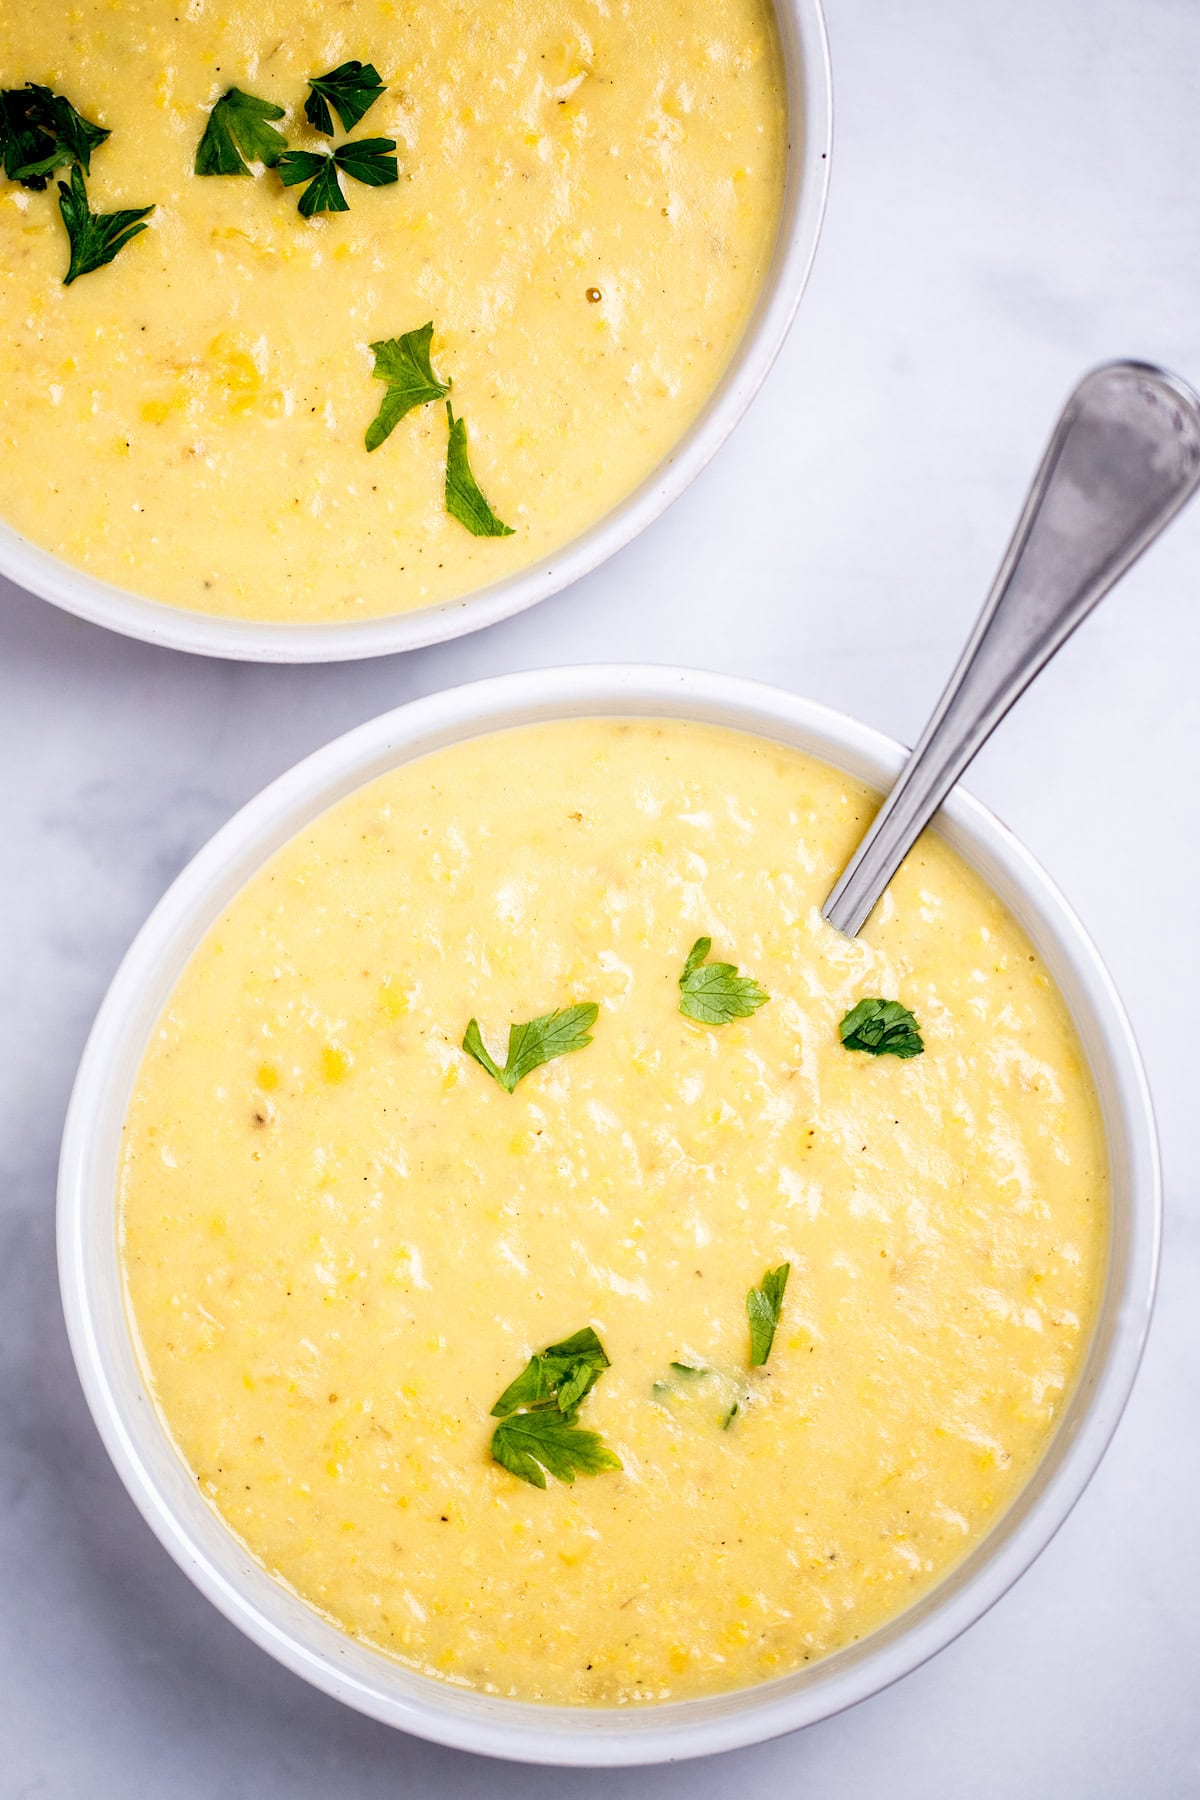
588 201
342 1239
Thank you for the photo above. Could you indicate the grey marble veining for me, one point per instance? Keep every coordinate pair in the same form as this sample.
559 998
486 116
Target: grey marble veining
1016 194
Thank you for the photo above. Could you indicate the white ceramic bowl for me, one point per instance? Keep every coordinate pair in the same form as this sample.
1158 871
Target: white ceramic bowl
165 1491
810 101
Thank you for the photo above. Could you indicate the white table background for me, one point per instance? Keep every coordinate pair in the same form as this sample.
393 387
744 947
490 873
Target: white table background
1016 194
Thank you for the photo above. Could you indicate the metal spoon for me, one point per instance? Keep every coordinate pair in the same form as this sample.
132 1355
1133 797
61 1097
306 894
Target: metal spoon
1124 457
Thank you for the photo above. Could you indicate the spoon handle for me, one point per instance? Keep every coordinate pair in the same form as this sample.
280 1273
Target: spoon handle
1124 457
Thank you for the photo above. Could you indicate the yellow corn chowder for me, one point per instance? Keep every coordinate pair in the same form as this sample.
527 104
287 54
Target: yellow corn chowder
581 200
570 1265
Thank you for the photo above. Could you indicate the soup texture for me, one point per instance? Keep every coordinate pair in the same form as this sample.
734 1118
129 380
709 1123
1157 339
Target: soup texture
343 1238
587 201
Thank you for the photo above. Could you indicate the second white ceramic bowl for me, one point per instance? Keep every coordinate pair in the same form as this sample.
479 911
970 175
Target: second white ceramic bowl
810 112
166 1492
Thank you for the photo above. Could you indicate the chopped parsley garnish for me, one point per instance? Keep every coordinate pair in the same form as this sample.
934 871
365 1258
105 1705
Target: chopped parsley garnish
539 1432
882 1027
404 364
95 237
698 1385
714 993
684 1376
41 132
464 500
238 130
763 1307
369 160
531 1045
351 89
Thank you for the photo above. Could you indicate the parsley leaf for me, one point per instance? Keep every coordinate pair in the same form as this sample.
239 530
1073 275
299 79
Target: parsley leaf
369 160
716 993
531 1045
78 134
351 89
548 1438
539 1429
883 1027
41 131
95 237
238 127
464 500
692 1384
324 194
563 1372
404 364
763 1307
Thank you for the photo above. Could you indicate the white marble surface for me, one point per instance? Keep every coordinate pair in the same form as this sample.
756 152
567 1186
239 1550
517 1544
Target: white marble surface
1016 194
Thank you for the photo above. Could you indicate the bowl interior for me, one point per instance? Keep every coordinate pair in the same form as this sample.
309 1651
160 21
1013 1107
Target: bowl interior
155 1474
808 82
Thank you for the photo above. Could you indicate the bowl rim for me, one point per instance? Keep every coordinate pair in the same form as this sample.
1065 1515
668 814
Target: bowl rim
808 84
263 1607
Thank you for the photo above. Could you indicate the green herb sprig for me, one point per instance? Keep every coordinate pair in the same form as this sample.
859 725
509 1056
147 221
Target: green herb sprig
404 364
565 1372
539 1432
882 1028
764 1305
40 131
464 497
351 89
239 130
536 1042
714 993
369 160
95 238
